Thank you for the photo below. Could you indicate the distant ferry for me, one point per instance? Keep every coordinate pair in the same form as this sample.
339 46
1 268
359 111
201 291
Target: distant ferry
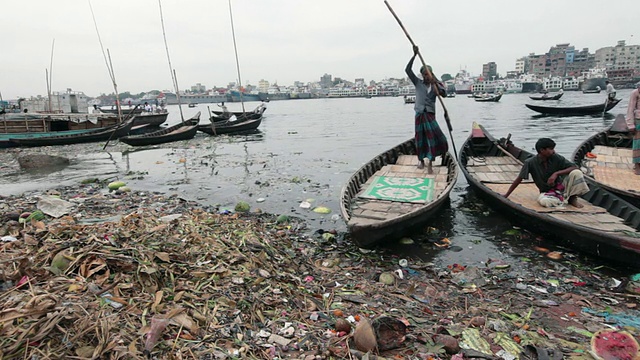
594 78
463 82
235 96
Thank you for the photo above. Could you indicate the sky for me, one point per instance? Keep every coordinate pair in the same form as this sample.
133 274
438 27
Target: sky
283 40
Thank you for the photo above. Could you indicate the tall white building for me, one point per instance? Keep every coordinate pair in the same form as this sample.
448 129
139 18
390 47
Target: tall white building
619 57
263 85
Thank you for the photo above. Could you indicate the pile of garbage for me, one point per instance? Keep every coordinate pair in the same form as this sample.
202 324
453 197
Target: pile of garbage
88 272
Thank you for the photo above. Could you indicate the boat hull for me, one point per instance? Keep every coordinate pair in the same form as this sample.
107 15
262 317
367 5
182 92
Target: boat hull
376 232
231 127
576 110
178 132
614 246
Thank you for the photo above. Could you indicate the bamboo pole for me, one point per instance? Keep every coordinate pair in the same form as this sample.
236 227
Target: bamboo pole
430 78
174 80
235 47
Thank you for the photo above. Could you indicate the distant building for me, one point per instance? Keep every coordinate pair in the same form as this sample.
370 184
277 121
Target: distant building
263 85
198 88
622 61
489 70
521 65
325 81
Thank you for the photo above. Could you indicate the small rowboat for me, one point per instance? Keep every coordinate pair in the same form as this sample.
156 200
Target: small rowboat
389 196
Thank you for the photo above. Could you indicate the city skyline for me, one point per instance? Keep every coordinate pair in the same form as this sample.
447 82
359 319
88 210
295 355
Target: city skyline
282 40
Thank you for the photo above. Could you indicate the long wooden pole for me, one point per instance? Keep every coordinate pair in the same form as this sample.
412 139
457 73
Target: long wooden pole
50 76
430 78
235 47
171 69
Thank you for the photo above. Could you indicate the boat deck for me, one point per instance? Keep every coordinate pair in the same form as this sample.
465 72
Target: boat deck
415 189
612 167
498 172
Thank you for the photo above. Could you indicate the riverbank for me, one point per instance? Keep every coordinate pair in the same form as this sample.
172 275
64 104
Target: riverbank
124 274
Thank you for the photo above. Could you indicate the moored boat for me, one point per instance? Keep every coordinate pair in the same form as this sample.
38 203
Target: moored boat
243 125
606 158
411 99
260 109
592 91
389 195
183 131
575 110
606 226
150 118
112 132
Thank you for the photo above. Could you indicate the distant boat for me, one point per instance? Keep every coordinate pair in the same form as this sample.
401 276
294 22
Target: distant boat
547 97
260 109
592 91
192 105
574 110
490 98
411 99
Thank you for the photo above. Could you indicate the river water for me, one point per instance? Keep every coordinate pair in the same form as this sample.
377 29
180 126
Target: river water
307 149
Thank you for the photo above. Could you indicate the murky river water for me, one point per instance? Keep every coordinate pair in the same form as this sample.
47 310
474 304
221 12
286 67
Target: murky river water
307 149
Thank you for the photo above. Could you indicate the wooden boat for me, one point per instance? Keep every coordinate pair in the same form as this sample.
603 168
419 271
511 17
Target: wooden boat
220 118
554 97
152 119
574 110
192 105
260 109
183 131
389 196
592 91
410 99
491 98
607 226
113 133
231 127
606 158
5 139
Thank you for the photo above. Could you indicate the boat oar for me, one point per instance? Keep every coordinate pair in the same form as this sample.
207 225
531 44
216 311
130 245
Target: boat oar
213 121
430 78
606 102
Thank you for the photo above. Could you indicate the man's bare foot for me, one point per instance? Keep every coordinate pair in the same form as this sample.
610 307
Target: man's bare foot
573 201
429 168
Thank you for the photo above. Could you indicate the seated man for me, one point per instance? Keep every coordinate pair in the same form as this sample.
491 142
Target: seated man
549 172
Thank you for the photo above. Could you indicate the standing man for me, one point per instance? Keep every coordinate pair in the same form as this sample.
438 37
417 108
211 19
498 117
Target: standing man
611 91
430 141
558 179
633 122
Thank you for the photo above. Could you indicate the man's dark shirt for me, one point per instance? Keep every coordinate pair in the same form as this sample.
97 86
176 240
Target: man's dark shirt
540 175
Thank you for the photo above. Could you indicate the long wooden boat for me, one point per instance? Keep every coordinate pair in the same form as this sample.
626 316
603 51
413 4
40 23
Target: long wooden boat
606 158
231 127
113 133
183 131
5 139
607 226
592 91
492 98
260 109
554 97
574 110
389 196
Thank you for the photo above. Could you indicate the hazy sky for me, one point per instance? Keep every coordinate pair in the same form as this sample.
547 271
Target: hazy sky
285 40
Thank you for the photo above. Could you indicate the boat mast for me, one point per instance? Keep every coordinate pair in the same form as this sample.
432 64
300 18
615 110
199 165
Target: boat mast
235 47
107 62
174 79
49 75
